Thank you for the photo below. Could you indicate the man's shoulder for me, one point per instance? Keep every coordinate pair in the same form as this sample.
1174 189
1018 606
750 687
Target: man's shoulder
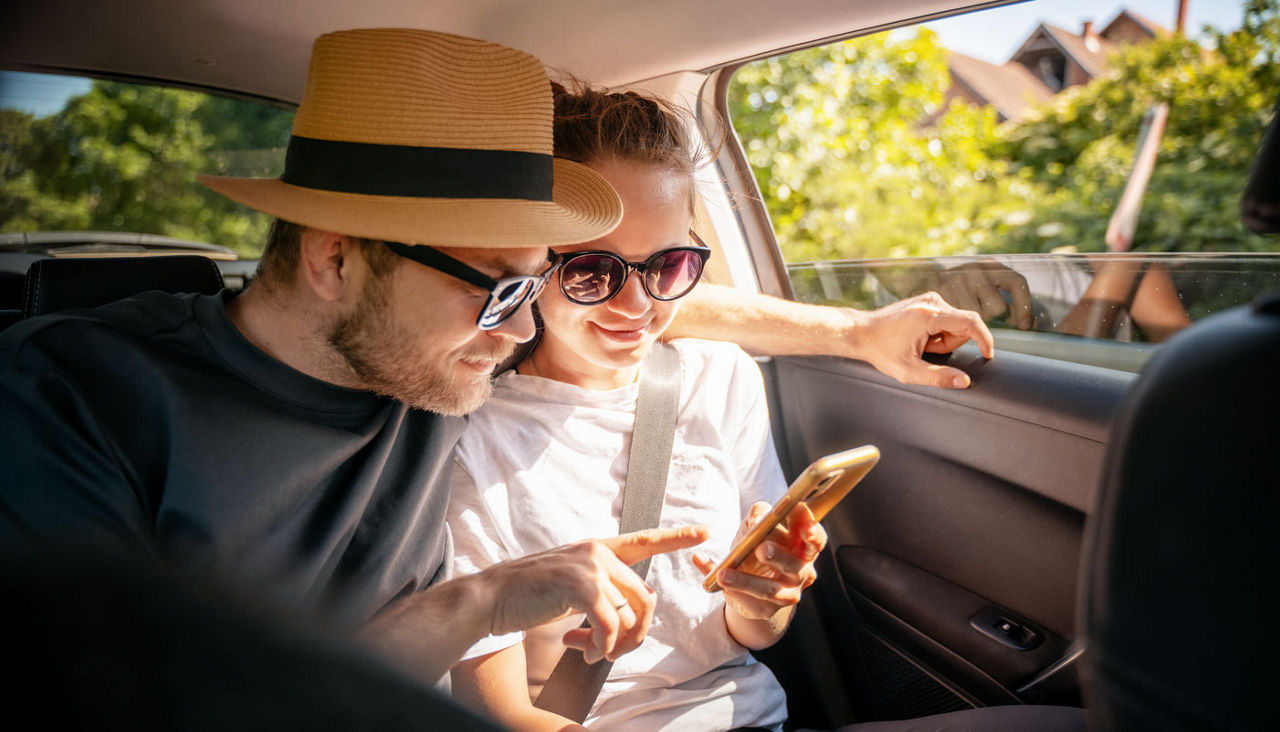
131 320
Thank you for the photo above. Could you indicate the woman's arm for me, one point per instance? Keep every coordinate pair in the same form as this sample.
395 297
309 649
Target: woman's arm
496 685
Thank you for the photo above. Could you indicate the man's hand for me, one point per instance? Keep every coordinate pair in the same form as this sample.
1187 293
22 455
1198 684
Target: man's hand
894 337
977 286
591 577
429 631
761 592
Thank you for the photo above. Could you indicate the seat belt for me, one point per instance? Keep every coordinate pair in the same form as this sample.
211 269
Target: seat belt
574 684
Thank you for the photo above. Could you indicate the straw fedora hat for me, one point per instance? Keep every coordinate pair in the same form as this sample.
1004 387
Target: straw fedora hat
429 138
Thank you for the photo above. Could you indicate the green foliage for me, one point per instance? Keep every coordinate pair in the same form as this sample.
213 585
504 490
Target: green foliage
855 160
124 157
847 167
1081 146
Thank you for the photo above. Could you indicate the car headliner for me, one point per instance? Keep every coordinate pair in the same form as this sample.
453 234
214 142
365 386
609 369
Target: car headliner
261 47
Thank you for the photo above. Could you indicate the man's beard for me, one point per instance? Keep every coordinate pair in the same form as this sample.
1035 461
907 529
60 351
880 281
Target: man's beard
382 355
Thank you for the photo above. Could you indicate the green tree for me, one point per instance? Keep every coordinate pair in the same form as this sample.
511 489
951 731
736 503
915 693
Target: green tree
124 157
1079 149
249 138
848 167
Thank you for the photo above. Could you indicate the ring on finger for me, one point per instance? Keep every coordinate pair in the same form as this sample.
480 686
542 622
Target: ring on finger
621 605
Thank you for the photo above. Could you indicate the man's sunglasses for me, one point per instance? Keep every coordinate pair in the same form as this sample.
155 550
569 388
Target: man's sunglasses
505 295
590 278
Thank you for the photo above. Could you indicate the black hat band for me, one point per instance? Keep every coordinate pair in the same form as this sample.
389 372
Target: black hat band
417 172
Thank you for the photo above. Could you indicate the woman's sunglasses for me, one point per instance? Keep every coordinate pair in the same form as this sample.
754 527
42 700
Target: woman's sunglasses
590 278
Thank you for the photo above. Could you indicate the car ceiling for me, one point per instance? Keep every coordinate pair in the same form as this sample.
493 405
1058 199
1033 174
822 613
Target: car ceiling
261 47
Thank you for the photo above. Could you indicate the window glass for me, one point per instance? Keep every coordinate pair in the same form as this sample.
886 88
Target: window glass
1097 168
92 155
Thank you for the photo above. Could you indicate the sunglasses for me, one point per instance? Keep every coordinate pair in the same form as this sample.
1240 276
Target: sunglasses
590 278
505 295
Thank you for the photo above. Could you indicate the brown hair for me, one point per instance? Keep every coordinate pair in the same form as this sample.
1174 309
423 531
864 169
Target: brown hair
594 124
282 253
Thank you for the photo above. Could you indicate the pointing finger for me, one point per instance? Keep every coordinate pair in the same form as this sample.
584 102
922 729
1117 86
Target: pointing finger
639 545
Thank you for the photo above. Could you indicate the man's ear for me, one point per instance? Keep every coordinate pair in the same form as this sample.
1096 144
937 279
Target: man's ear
327 261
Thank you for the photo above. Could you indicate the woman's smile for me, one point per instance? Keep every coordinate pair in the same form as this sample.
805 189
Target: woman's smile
626 333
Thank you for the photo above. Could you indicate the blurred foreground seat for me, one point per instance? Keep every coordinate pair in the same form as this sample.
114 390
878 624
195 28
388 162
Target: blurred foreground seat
1179 587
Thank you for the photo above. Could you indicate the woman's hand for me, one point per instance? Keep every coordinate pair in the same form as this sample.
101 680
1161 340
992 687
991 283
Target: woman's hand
760 594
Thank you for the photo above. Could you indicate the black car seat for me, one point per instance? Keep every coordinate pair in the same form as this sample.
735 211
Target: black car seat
11 286
62 284
1180 594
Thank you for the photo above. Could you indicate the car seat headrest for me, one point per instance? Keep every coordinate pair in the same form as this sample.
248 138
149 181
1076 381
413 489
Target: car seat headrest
63 284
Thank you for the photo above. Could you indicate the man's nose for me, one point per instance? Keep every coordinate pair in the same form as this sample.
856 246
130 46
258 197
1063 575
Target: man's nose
519 326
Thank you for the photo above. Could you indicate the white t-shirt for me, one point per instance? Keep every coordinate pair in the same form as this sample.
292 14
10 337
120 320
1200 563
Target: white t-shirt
541 465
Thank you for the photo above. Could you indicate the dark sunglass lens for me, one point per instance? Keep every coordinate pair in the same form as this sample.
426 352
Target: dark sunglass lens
590 278
504 301
673 274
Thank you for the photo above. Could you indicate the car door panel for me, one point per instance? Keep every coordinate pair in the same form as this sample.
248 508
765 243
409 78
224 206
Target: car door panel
931 617
972 520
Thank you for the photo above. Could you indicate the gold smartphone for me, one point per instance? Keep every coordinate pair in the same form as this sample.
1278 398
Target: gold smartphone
821 486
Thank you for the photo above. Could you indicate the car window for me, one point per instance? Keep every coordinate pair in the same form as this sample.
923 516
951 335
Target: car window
80 154
1101 165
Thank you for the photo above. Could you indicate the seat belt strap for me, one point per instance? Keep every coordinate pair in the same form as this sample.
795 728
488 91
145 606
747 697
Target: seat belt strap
574 684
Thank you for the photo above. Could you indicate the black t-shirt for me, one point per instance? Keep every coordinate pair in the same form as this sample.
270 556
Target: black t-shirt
153 426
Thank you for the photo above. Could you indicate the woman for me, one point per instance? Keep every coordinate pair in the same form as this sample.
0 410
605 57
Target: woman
542 463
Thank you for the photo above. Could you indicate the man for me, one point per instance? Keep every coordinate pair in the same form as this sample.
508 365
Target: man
296 438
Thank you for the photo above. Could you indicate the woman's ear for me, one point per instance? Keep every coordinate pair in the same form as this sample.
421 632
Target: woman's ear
326 262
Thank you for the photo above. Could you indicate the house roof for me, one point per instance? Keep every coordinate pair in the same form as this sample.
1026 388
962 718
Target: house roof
1011 88
1091 57
1155 29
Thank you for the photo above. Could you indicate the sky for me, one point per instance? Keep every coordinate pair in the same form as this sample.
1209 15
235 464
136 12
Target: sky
990 35
993 35
40 94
